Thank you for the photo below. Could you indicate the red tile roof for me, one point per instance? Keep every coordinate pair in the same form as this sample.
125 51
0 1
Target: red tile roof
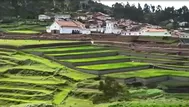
64 23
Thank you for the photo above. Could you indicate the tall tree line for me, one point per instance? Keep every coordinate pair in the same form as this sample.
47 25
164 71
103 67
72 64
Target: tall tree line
150 13
30 9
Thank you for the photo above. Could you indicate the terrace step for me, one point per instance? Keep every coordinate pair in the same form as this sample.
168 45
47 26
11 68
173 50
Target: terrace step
7 50
29 91
77 50
92 55
25 96
29 72
154 61
134 54
56 47
172 67
117 70
100 62
54 44
124 69
4 54
20 100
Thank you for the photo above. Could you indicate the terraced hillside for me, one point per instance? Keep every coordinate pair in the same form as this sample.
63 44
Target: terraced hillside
64 72
26 78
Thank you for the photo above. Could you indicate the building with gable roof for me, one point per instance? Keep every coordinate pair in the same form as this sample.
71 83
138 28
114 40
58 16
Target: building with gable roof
67 27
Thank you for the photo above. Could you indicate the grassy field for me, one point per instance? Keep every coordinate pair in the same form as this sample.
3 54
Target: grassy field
63 49
18 86
24 27
28 42
30 79
80 53
149 73
23 31
97 59
113 65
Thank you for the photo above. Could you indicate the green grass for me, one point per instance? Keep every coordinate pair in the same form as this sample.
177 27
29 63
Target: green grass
87 90
80 53
23 101
23 31
97 59
6 53
21 95
8 62
112 65
28 42
25 89
161 102
33 81
38 67
58 99
52 49
44 61
148 73
76 102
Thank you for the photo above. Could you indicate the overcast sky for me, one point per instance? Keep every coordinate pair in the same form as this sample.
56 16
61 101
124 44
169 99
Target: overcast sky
176 4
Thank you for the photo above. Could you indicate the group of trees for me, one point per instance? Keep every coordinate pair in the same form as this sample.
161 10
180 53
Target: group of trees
150 13
112 91
30 9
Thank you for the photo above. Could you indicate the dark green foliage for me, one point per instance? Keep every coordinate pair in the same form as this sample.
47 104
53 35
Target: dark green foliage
30 9
112 91
151 14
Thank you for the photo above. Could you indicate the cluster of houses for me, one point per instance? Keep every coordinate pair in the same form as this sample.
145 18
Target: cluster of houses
100 23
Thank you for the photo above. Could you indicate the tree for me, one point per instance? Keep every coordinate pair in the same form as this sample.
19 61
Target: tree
146 8
111 89
153 8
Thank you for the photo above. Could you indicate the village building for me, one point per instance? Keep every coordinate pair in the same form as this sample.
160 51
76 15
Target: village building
112 28
43 17
82 17
182 24
67 27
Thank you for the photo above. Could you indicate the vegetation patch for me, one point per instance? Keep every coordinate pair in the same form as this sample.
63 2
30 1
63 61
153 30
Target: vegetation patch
23 31
148 73
27 42
112 65
97 59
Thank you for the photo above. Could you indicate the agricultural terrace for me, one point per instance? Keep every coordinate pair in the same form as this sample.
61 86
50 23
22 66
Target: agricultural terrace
65 74
24 27
26 78
28 42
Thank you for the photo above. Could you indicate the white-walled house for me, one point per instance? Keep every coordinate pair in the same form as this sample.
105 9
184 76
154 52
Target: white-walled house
43 17
82 17
96 28
67 27
111 28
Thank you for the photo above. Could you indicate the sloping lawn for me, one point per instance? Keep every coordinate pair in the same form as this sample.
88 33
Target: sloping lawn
112 65
80 53
23 31
52 49
28 42
97 59
148 73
